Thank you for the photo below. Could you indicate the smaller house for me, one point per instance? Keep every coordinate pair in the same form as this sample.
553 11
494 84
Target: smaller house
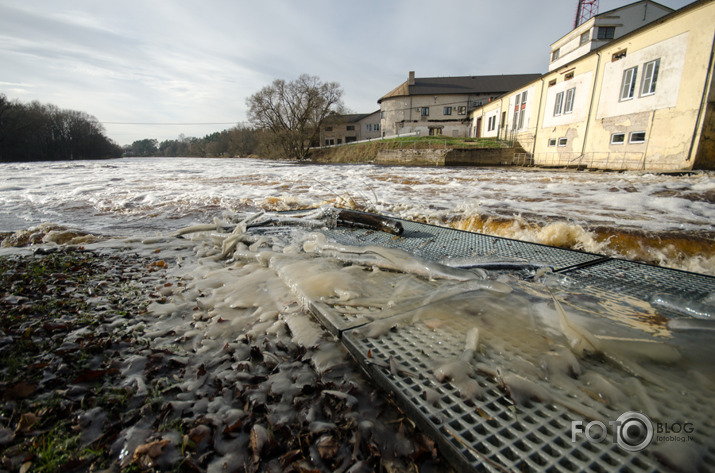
341 129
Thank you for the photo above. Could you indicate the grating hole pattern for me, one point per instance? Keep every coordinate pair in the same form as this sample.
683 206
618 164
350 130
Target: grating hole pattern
536 434
492 431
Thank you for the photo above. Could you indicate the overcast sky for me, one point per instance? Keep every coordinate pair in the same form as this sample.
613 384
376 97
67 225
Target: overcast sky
144 62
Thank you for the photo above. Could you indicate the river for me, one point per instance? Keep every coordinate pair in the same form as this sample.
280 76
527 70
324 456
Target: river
661 219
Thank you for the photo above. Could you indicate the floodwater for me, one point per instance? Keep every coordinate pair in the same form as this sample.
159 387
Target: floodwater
482 337
660 219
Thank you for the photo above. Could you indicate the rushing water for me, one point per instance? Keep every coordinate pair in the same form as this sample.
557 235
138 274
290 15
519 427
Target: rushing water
662 219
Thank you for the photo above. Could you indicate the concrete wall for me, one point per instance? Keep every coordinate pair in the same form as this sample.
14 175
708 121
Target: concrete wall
446 157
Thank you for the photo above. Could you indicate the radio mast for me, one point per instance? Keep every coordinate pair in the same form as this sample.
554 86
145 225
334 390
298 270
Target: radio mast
587 9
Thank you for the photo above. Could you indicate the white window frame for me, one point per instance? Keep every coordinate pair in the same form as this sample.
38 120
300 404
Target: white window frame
517 108
552 142
568 102
650 77
447 111
631 137
621 135
491 123
563 141
559 104
628 85
585 37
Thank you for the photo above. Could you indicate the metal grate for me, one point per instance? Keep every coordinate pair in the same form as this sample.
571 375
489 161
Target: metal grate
491 433
439 243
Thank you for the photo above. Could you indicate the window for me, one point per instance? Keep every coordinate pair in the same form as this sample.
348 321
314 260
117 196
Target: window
382 114
555 54
650 77
424 111
569 76
606 32
619 55
368 127
568 104
350 128
328 128
558 104
628 86
491 123
552 82
435 131
563 141
552 142
584 38
637 137
618 138
376 127
519 110
462 110
447 110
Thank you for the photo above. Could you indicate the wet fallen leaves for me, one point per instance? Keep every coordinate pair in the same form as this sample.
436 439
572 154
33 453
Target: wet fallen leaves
69 336
56 354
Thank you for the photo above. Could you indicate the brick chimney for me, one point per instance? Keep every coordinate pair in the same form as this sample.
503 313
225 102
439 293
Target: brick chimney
411 78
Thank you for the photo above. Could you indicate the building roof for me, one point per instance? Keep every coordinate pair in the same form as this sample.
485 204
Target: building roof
465 85
652 24
347 118
611 12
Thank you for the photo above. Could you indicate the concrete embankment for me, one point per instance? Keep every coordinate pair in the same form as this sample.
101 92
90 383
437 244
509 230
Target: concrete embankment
414 157
446 157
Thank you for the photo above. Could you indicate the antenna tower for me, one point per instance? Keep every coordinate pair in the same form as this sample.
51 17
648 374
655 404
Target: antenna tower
587 9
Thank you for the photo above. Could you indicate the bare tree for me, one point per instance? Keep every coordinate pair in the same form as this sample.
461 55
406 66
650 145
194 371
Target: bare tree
293 111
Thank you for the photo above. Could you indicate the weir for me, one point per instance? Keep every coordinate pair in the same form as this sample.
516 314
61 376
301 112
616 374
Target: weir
505 380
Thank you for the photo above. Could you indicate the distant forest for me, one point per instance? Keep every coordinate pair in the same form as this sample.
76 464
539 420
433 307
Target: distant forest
39 132
44 132
238 141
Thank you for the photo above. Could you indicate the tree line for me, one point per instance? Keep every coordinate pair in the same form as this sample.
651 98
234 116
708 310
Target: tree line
285 118
238 141
43 132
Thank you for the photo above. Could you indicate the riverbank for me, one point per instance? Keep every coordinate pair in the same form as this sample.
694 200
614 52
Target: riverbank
111 361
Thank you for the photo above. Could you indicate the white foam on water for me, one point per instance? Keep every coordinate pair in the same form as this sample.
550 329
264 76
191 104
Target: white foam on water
572 209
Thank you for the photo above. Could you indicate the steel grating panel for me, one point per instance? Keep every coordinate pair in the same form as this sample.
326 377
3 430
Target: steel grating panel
644 281
490 432
439 243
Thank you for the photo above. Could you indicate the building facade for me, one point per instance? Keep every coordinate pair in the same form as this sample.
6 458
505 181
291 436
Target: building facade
602 29
441 105
643 101
341 129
